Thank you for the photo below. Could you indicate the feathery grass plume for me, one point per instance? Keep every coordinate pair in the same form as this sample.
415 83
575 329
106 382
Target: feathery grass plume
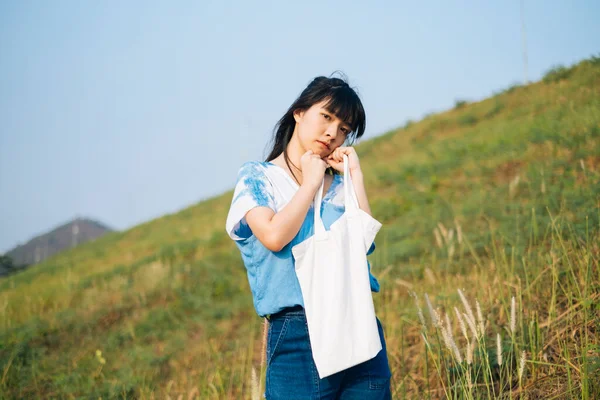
499 348
458 231
446 338
194 393
512 186
471 326
453 345
480 321
450 343
429 275
435 318
438 238
469 381
255 388
419 311
448 324
470 350
513 315
522 365
470 316
456 351
263 355
461 322
443 230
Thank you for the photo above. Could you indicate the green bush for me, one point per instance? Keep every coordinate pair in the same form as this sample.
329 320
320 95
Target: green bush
459 103
557 73
467 119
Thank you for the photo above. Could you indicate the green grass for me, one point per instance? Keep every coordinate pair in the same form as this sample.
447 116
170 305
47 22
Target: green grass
500 198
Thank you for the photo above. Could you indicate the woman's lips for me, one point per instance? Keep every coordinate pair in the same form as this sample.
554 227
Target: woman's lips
323 144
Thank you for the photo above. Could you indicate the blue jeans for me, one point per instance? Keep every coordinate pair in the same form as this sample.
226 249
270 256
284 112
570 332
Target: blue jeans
292 374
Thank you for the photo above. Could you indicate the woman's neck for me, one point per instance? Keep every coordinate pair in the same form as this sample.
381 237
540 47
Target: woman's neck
295 151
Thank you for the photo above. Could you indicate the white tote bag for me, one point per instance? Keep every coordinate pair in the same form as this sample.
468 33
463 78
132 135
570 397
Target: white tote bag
331 267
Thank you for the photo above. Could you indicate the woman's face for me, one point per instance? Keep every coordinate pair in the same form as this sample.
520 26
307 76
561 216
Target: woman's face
319 130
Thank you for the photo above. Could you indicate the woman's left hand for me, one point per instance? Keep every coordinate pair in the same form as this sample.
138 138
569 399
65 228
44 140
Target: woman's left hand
336 159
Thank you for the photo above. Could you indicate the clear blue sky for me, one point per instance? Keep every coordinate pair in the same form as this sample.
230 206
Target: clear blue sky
126 111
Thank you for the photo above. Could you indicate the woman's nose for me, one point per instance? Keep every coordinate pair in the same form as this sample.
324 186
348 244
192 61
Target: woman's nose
332 130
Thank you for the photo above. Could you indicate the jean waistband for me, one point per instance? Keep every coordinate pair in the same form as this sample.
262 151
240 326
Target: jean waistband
295 310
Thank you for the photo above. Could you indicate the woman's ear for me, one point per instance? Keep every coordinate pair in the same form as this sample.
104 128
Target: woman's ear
298 114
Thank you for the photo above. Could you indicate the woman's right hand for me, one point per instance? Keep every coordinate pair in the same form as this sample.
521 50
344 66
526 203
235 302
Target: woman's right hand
313 169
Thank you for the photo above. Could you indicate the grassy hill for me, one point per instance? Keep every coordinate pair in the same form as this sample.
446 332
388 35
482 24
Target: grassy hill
500 198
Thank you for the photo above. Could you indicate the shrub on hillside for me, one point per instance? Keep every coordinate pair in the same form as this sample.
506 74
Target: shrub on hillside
467 119
557 73
511 88
459 103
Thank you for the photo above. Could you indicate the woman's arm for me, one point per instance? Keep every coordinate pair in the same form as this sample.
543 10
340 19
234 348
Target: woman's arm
275 230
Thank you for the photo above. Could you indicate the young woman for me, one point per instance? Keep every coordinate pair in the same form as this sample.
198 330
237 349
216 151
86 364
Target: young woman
272 211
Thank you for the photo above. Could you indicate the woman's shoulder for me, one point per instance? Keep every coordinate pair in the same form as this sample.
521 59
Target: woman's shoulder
253 168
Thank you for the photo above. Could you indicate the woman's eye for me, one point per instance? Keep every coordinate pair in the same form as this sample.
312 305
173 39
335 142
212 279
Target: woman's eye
326 116
345 131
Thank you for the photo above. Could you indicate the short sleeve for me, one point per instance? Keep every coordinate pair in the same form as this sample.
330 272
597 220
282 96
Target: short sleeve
252 189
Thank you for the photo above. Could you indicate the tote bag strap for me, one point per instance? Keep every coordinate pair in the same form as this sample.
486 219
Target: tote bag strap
319 227
350 200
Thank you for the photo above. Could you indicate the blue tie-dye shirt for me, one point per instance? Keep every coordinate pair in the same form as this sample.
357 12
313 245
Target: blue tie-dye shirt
271 275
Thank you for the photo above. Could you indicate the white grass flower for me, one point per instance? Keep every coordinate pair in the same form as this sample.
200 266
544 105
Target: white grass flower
469 382
429 275
458 232
471 317
446 338
435 319
448 324
522 365
499 348
461 322
450 344
419 311
443 230
480 321
470 350
456 352
255 388
471 326
438 238
513 315
421 318
512 186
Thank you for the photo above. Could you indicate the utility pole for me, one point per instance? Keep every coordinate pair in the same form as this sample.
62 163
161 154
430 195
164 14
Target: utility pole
524 37
74 232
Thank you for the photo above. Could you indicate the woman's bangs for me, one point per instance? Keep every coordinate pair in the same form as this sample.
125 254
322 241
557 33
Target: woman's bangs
347 107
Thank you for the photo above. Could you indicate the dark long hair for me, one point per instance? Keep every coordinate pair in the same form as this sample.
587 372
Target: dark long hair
342 101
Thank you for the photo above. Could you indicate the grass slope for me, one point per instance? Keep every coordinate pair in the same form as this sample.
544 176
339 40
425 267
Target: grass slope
500 197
